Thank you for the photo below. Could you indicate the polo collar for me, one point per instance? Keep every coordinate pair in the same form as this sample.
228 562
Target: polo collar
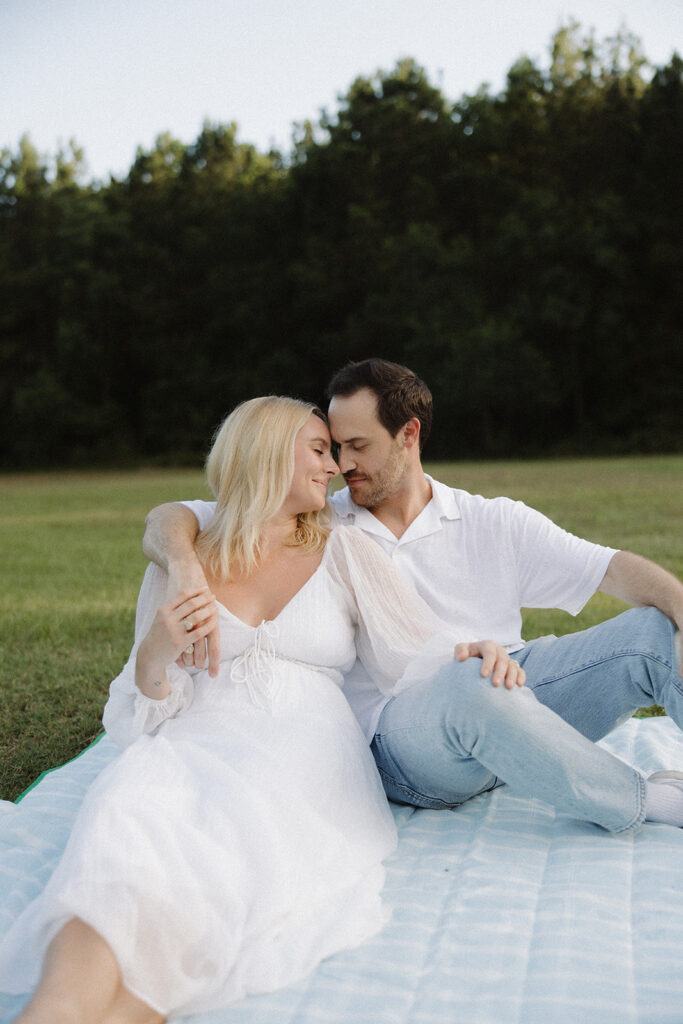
355 515
443 505
444 499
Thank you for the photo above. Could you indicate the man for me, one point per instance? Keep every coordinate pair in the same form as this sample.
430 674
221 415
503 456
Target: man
477 562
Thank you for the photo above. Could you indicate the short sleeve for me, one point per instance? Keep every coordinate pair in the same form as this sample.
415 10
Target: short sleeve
555 568
398 637
128 713
203 511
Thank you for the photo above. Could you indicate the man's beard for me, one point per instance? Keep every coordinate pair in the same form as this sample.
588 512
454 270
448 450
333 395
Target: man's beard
376 489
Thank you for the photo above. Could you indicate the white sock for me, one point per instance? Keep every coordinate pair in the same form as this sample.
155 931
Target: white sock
664 803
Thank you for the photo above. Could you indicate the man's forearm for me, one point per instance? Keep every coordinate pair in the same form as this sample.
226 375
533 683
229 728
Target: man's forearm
639 581
170 533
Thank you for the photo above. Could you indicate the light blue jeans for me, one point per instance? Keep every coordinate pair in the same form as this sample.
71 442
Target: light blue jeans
456 735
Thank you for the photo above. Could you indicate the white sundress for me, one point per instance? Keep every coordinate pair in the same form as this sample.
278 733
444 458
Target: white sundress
239 837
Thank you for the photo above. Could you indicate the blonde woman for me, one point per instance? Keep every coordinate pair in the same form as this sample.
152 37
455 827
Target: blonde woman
239 837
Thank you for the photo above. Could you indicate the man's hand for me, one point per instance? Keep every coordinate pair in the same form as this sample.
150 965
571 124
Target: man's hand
496 660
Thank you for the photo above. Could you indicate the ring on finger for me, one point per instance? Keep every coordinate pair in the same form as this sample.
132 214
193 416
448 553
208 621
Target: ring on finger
189 650
189 625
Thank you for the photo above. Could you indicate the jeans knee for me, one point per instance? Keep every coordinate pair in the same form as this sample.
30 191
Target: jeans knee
473 704
460 684
649 628
658 643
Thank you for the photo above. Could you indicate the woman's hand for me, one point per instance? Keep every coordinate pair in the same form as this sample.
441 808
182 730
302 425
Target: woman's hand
184 578
182 621
495 659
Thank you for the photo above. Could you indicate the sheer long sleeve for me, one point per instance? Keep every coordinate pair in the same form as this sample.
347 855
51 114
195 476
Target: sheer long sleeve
399 638
128 713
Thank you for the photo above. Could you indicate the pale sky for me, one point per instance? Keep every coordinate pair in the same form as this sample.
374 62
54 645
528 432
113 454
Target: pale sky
114 74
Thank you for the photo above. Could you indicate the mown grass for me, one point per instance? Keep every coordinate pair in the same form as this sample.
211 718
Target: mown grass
72 564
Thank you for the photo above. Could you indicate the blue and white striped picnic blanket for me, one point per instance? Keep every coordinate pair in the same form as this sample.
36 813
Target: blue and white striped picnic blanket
503 912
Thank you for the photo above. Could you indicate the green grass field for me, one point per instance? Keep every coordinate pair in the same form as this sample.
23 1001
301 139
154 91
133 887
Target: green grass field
72 564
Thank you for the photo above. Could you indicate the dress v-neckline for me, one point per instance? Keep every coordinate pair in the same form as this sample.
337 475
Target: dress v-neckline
285 606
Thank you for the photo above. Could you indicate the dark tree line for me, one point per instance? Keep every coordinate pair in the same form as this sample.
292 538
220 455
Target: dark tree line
521 251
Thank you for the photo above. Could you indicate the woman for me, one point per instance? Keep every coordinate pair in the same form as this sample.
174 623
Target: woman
239 837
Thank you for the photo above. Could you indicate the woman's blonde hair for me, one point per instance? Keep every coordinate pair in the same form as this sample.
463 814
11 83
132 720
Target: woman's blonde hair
250 469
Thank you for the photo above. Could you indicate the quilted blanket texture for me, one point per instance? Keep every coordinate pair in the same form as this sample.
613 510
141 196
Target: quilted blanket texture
502 912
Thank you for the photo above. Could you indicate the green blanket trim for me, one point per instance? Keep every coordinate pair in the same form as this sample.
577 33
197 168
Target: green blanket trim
57 767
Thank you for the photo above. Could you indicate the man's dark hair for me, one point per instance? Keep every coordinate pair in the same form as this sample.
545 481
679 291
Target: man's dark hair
400 393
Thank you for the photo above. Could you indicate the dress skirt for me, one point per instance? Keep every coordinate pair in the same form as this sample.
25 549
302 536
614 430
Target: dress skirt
226 854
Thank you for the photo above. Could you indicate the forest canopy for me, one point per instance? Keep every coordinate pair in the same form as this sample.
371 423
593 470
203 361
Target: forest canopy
521 251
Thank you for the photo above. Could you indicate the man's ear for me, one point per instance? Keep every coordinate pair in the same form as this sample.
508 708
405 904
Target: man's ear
411 433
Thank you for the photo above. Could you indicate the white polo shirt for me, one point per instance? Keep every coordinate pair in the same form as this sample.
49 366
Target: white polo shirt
476 562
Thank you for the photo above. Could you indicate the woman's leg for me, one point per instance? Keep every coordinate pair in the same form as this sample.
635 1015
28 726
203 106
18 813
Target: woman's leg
81 984
127 1009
